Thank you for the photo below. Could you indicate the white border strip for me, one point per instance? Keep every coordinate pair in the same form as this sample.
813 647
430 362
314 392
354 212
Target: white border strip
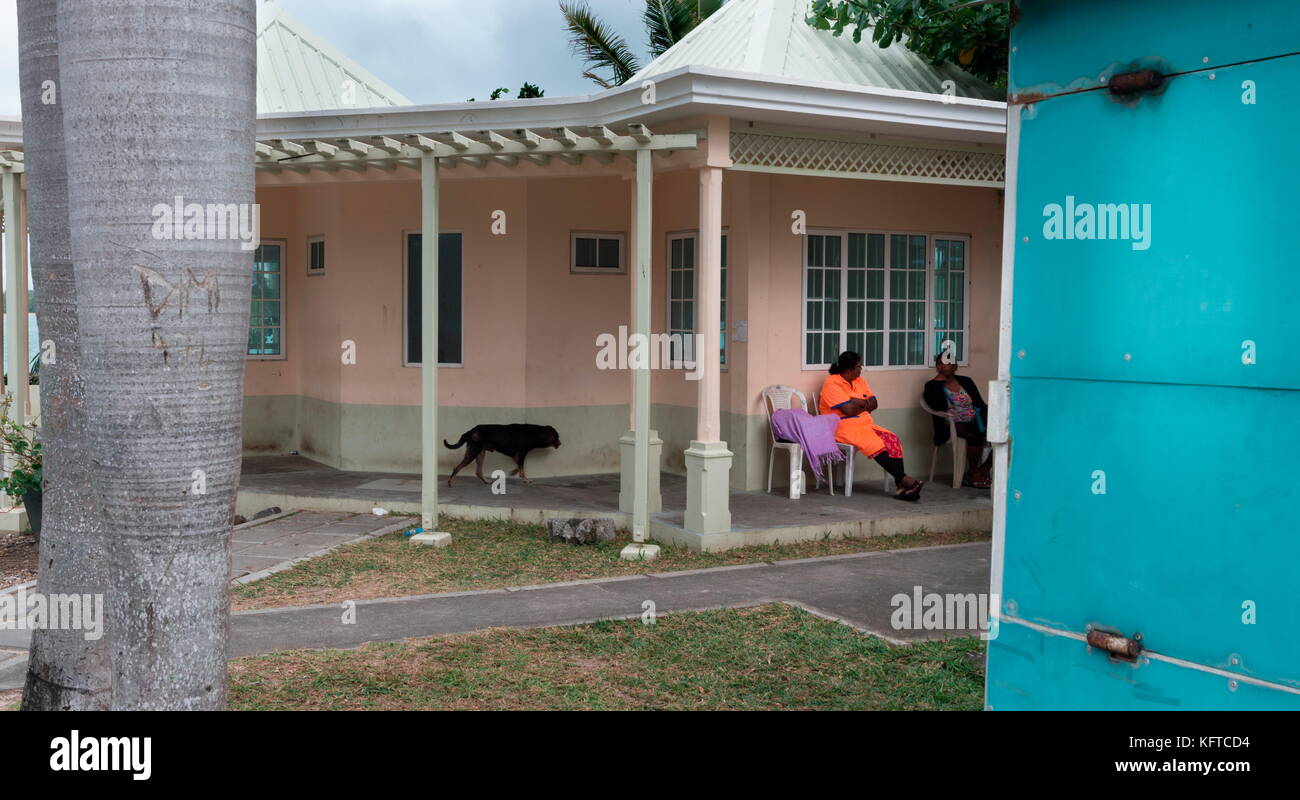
1001 452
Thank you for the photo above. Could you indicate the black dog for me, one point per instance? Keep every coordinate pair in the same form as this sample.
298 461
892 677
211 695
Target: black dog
508 440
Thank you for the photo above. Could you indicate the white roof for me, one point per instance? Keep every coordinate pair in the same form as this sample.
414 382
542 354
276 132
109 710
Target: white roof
770 37
298 71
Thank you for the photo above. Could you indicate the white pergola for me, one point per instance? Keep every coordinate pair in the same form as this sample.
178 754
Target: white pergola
426 152
756 149
429 151
13 199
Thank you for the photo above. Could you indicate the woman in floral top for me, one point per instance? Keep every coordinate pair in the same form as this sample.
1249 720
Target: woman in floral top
959 396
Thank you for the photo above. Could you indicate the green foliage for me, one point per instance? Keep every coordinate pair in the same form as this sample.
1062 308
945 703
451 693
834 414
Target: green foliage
973 35
23 451
666 23
598 45
526 91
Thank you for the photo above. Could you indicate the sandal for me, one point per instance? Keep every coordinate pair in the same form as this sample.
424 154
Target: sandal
910 494
977 484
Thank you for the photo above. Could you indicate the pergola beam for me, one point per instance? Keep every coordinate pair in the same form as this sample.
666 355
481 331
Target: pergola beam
490 146
11 161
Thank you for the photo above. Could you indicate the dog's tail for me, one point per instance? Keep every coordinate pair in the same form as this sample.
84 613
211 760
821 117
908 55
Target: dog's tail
458 444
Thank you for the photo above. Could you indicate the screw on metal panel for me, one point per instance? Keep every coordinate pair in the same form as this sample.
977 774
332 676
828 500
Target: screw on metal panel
1128 356
1145 661
1026 238
1232 686
1021 354
1011 606
1017 494
1211 76
1205 59
1234 660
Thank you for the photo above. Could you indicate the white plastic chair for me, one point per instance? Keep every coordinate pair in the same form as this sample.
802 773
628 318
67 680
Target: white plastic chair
958 447
776 397
850 455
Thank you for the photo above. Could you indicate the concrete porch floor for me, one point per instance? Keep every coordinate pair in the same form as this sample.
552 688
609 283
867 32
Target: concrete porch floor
295 482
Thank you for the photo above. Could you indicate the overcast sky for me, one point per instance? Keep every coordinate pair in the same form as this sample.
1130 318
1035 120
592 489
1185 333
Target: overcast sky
432 51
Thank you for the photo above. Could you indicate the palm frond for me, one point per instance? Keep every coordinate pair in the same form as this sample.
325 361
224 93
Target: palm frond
668 21
601 48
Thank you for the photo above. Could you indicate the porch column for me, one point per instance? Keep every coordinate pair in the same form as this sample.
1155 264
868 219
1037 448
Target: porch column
15 333
627 442
429 355
708 461
639 550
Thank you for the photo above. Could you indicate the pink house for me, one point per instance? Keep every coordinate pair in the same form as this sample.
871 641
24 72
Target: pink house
806 195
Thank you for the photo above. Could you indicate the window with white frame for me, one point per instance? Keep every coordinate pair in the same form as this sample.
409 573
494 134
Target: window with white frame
894 298
451 333
682 251
265 316
316 255
596 253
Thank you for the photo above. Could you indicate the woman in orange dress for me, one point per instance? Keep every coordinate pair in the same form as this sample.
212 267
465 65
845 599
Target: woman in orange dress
846 394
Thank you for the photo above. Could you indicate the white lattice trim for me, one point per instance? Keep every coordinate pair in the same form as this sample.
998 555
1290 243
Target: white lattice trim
761 152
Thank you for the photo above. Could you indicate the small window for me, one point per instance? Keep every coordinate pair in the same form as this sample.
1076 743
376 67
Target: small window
265 320
681 296
316 255
596 253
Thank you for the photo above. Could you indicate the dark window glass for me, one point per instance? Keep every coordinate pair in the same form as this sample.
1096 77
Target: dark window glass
449 296
609 253
585 255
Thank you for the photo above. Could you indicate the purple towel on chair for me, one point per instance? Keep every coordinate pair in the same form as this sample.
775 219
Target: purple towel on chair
816 435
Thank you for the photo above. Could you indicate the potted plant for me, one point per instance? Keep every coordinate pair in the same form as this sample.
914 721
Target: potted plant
24 477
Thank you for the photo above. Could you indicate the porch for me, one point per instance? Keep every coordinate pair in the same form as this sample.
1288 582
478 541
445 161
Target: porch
756 517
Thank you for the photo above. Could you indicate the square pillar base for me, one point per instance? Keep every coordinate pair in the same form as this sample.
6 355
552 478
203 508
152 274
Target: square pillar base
627 471
436 539
708 487
639 551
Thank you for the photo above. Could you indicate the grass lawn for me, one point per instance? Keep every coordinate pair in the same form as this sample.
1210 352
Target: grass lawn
491 555
767 657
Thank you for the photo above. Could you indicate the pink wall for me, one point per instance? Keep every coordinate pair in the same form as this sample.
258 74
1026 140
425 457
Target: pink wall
531 326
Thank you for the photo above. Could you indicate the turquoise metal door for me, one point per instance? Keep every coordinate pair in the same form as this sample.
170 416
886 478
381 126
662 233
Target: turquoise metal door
1154 439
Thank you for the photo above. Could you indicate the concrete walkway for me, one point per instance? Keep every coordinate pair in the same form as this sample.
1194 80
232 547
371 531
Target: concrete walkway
263 547
856 589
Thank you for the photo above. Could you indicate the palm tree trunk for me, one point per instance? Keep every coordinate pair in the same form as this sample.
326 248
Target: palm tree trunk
65 670
159 104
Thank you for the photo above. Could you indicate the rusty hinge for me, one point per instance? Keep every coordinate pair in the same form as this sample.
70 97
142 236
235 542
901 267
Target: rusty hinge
1116 644
1125 84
